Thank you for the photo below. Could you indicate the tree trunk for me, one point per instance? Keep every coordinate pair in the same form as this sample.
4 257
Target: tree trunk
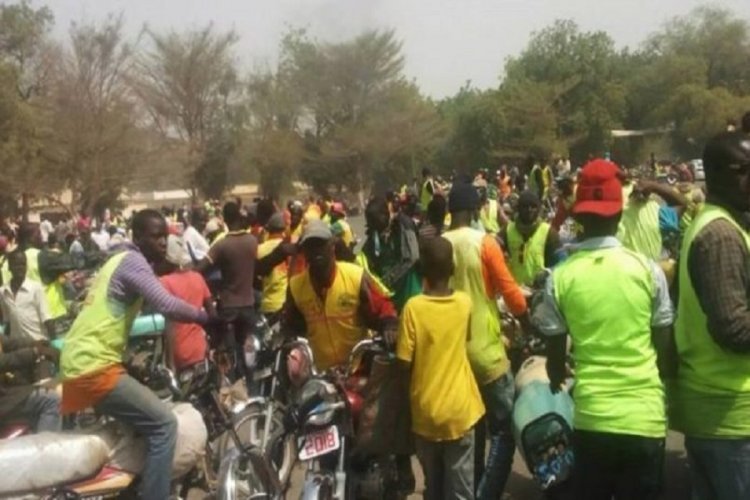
25 207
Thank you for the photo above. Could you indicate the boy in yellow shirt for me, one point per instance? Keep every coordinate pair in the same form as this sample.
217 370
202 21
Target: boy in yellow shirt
445 399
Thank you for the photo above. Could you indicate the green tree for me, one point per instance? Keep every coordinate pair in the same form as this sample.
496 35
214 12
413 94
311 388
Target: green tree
188 83
358 115
583 73
98 144
27 58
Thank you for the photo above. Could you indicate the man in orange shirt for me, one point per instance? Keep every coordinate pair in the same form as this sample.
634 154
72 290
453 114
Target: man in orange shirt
481 272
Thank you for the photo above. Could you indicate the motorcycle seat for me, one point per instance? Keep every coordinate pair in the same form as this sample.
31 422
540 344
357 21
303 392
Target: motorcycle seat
39 461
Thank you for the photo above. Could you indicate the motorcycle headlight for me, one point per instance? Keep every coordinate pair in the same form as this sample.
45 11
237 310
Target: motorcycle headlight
252 347
322 413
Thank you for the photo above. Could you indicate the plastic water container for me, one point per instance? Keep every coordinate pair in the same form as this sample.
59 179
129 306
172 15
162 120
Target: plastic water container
147 325
542 421
143 326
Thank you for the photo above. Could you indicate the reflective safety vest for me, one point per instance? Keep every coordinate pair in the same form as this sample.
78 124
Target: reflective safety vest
488 216
485 347
333 323
426 197
527 256
639 229
711 396
533 184
275 283
99 334
606 297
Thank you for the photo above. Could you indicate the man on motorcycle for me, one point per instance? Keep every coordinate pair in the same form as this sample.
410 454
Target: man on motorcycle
480 271
91 359
530 243
334 303
19 399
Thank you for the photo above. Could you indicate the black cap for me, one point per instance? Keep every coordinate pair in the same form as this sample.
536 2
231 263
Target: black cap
463 197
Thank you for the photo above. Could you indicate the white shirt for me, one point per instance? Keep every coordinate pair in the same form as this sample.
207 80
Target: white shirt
101 238
45 228
27 311
195 242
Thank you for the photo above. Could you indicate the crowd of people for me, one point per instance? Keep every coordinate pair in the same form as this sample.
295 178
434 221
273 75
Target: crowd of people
642 283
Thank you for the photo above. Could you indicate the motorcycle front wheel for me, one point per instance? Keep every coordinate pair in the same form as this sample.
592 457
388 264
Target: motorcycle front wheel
250 425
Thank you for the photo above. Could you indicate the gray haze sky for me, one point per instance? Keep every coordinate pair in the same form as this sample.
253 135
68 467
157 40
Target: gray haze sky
445 42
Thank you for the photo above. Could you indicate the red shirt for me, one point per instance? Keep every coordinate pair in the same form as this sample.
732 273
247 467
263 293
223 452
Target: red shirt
190 344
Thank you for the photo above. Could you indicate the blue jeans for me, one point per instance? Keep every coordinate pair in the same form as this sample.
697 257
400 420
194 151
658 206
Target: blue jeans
719 468
498 399
42 407
134 404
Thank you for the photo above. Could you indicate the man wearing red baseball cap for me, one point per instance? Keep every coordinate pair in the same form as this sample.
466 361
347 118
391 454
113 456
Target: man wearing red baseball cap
614 304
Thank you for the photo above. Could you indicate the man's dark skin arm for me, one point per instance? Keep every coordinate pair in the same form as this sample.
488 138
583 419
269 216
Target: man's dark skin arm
502 239
265 265
723 301
49 327
551 246
666 351
17 353
556 353
377 311
293 323
673 198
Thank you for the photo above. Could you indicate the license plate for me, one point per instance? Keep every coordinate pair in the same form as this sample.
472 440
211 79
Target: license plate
319 443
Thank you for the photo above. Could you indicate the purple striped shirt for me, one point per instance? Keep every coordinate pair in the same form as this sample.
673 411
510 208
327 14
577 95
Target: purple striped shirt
134 278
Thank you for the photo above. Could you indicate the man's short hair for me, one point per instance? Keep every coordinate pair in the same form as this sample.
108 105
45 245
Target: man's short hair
231 212
436 257
141 220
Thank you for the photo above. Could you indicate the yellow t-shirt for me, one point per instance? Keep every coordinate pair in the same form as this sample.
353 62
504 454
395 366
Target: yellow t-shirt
274 285
445 399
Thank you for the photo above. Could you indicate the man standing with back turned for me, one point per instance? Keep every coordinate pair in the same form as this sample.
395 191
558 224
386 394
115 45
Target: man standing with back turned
710 402
614 304
480 271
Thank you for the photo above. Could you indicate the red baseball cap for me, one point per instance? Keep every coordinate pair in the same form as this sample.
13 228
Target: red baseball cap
599 189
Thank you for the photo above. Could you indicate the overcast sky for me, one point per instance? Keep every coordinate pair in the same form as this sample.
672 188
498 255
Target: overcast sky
446 43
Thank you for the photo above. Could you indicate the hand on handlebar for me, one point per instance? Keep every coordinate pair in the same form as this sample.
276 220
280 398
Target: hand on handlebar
390 335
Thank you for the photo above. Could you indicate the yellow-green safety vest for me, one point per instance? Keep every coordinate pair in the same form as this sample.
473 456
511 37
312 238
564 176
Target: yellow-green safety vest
99 334
426 197
606 297
711 395
526 256
639 229
488 216
485 348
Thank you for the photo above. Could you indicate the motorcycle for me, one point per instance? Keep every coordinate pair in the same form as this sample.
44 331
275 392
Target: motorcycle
263 416
542 421
103 461
324 421
233 467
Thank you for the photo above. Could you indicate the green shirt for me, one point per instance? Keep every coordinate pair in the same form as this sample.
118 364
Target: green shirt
608 298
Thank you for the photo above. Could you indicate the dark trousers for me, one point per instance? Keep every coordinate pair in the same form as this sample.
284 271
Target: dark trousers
241 323
617 465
